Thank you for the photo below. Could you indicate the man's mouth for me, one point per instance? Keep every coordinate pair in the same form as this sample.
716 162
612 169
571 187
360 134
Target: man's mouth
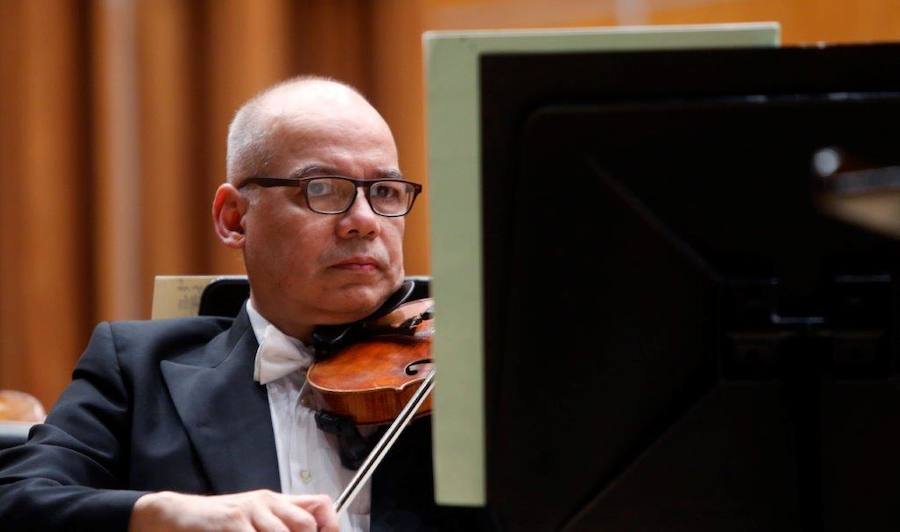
357 264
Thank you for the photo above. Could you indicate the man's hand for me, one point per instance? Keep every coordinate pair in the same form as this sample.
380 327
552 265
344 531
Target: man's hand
249 511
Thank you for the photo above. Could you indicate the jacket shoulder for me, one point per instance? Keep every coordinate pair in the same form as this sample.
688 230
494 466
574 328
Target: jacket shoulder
199 327
162 339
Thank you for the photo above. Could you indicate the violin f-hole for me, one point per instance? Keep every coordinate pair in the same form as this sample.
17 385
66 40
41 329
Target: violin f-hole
412 367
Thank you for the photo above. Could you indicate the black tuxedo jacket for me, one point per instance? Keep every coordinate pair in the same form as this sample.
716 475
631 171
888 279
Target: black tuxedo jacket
172 405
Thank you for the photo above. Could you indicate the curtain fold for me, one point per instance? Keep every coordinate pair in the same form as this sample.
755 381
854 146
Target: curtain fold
47 213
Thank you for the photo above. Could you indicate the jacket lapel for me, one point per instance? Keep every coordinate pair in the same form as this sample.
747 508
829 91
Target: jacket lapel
225 412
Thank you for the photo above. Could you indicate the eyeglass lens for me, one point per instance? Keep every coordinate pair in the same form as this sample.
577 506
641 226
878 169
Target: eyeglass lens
331 195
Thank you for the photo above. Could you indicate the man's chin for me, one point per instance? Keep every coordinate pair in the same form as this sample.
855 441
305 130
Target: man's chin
356 302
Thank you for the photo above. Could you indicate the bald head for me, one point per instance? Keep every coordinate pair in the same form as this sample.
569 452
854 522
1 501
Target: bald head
253 136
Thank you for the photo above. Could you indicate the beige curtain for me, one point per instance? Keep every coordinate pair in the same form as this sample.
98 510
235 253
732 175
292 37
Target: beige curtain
113 116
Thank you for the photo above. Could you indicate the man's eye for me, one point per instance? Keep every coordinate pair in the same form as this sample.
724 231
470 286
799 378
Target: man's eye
319 188
385 192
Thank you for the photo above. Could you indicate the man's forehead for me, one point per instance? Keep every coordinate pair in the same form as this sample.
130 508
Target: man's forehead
331 147
325 125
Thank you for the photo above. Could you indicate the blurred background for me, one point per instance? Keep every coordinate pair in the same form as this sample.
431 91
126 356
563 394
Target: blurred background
113 116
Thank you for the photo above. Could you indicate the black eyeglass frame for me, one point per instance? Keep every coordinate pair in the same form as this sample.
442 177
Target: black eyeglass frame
268 182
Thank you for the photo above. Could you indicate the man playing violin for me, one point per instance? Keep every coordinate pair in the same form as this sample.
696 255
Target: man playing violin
203 423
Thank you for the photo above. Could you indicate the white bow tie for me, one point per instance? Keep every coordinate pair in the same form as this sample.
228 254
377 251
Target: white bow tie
279 355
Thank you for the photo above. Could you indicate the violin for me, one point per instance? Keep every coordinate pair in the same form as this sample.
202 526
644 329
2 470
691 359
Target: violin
371 380
374 372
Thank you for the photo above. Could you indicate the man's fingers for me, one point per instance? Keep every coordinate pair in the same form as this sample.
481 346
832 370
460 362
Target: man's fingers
304 513
322 509
264 517
295 518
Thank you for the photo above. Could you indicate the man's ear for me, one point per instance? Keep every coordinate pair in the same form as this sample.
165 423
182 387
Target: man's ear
228 210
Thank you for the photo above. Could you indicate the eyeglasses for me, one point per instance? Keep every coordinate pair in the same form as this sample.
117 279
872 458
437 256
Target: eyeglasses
334 194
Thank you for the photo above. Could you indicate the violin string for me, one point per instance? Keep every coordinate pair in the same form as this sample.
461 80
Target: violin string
385 443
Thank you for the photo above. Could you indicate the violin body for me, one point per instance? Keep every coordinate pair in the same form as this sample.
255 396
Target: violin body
372 379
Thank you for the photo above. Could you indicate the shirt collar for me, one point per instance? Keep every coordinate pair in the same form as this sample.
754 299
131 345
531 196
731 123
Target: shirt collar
260 325
257 322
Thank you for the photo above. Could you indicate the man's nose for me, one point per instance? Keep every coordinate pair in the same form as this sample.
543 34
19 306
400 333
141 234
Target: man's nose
360 221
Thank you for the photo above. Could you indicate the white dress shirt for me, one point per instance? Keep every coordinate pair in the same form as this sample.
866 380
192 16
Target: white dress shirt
308 459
